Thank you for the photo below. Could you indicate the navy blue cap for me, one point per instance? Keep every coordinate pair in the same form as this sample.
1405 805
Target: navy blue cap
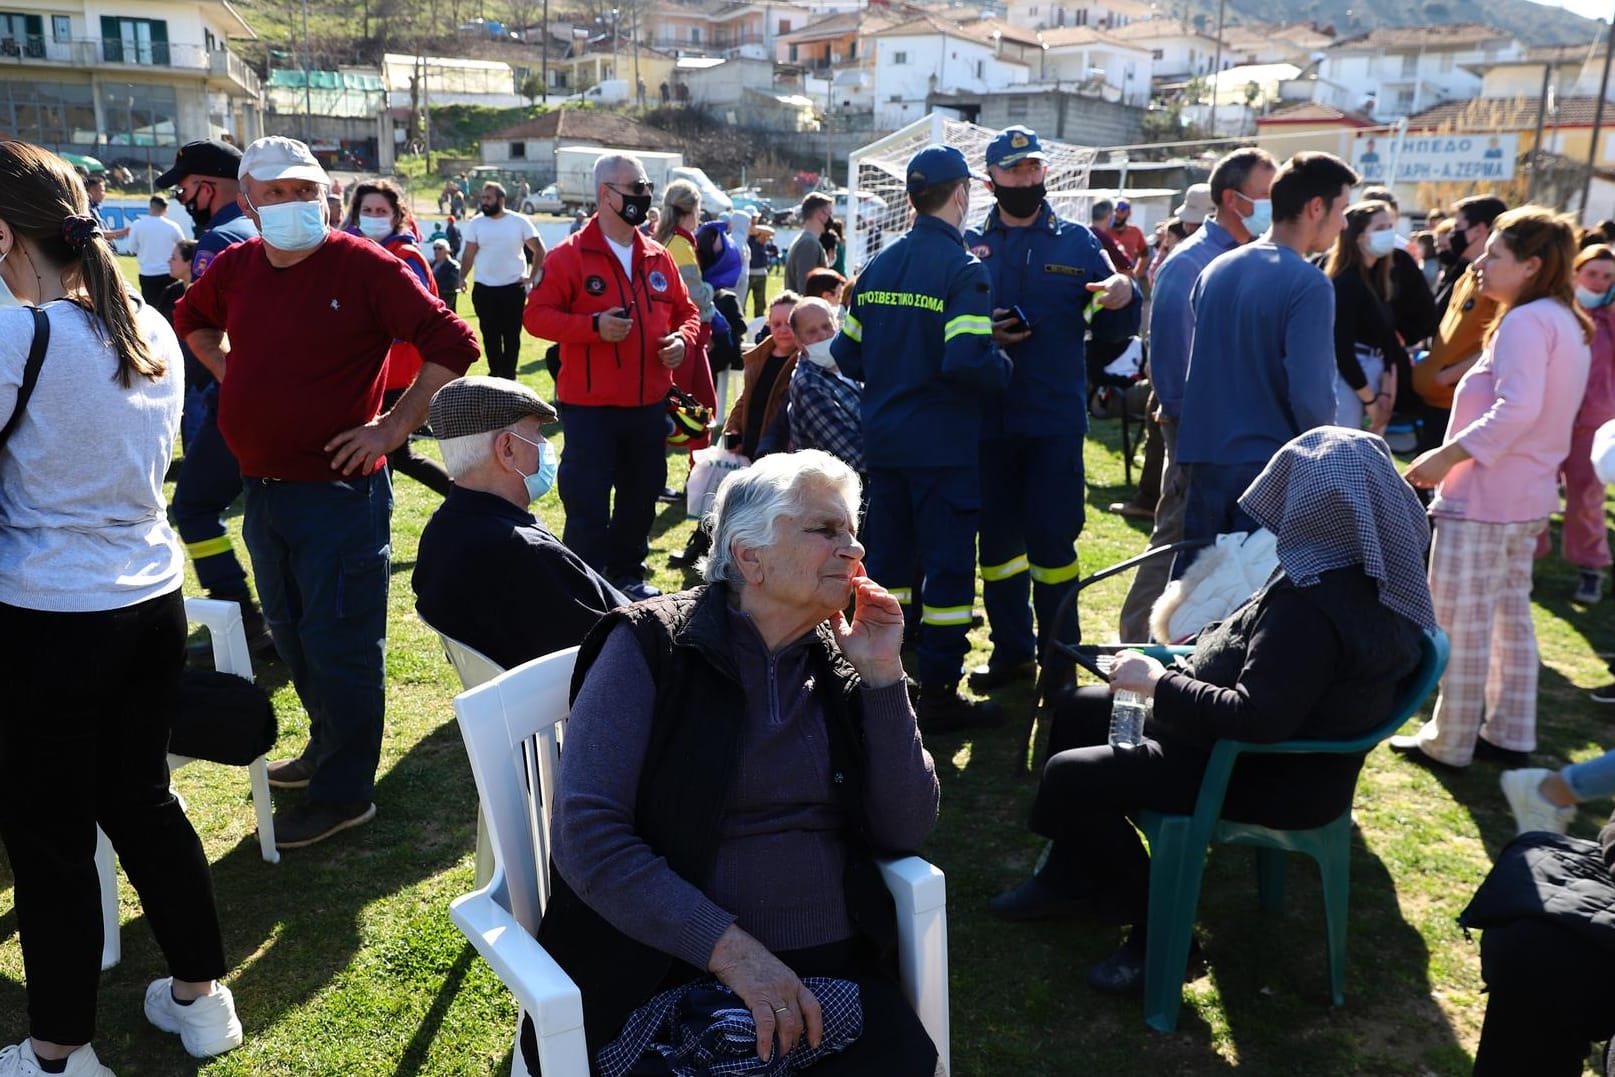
1014 145
204 157
937 164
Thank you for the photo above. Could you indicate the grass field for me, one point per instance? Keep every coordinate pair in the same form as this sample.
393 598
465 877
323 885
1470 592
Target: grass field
343 960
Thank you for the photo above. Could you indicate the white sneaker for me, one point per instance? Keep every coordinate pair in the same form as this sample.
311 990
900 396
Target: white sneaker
206 1027
1532 810
18 1060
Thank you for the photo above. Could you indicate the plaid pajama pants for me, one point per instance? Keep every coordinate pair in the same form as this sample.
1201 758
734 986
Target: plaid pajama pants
1480 581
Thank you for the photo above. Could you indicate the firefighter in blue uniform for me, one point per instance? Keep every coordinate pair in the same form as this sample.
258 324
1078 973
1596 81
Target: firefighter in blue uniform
1048 271
209 479
918 334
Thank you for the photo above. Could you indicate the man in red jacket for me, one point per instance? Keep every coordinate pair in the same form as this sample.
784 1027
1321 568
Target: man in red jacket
614 302
296 325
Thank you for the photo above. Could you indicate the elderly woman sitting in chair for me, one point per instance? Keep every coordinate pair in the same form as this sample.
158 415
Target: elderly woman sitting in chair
736 757
1317 653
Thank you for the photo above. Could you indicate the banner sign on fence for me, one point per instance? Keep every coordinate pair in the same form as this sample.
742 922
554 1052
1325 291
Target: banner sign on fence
1450 157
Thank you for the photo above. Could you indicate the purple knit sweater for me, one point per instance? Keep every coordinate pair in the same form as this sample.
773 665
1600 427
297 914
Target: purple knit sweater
778 871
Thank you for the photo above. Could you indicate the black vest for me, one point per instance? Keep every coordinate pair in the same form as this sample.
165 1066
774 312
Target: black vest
690 760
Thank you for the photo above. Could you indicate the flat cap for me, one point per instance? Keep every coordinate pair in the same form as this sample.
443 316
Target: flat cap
479 404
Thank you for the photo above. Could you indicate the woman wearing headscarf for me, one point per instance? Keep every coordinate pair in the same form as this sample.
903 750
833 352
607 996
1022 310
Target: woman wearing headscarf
90 576
1496 479
736 756
1317 653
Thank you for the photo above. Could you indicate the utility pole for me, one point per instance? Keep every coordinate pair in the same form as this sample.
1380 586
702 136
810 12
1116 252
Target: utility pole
544 55
426 109
1598 120
1216 71
308 92
1536 145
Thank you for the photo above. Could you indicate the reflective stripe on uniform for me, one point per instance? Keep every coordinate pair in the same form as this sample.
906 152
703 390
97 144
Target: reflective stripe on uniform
1055 575
945 615
904 595
1015 567
853 328
208 547
967 323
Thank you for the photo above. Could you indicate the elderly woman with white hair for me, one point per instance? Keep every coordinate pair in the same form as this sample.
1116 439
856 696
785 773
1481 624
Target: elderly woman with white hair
737 756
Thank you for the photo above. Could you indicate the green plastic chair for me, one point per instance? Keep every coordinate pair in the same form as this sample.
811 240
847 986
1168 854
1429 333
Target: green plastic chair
1178 845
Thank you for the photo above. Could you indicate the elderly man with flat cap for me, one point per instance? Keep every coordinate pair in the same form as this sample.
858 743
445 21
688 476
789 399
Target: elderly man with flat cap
296 325
488 573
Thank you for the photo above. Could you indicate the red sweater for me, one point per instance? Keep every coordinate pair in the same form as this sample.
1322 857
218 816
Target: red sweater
308 347
582 277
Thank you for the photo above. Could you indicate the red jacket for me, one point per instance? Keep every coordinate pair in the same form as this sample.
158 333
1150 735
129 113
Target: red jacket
582 278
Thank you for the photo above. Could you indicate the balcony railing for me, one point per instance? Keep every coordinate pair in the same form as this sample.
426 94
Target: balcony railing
93 52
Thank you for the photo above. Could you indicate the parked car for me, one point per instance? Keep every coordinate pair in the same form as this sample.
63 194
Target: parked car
546 201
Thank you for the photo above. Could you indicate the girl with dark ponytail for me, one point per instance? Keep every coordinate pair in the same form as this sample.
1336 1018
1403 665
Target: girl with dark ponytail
90 571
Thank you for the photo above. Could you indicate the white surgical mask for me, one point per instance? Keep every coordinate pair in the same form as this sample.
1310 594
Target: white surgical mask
292 226
1380 243
819 354
376 228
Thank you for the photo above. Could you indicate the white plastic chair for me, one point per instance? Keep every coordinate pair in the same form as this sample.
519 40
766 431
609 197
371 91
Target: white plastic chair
230 655
474 668
513 728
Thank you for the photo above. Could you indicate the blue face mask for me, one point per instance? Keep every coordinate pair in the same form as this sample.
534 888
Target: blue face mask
540 481
292 226
376 228
1261 215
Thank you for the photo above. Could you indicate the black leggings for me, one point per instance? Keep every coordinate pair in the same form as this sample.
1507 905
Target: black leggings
78 750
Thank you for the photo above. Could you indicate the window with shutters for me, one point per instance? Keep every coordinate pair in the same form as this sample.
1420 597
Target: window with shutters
134 41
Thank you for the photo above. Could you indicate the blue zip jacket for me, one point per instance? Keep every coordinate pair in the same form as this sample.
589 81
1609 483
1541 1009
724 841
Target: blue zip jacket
229 226
1044 268
919 334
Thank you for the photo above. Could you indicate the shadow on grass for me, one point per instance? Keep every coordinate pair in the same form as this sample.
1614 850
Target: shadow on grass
291 929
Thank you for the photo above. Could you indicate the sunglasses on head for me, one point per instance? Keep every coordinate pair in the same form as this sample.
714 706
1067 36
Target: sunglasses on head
636 187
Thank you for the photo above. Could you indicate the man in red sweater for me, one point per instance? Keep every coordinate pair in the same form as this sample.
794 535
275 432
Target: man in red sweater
296 325
615 303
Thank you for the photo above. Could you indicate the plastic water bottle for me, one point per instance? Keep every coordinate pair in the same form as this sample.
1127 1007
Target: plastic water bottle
1127 713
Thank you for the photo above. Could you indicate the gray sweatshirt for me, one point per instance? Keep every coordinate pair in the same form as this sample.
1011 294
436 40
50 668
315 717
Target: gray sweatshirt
779 868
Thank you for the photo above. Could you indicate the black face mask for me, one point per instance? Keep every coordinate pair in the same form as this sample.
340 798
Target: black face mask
199 216
1458 242
1020 201
633 208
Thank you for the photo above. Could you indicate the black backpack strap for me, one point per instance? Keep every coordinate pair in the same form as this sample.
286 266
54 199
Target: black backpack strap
30 372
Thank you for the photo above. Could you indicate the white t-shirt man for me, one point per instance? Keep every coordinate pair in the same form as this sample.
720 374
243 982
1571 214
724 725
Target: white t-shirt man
499 243
152 240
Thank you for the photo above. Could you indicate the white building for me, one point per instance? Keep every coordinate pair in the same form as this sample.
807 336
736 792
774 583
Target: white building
747 29
1120 70
1394 72
1095 14
928 54
1177 53
126 80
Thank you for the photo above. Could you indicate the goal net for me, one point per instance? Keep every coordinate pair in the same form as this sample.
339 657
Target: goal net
877 203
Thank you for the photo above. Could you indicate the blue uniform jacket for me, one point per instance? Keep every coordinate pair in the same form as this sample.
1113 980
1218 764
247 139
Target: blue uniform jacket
225 229
1044 268
918 334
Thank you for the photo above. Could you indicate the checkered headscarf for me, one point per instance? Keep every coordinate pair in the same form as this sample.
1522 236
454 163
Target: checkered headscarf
1334 498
